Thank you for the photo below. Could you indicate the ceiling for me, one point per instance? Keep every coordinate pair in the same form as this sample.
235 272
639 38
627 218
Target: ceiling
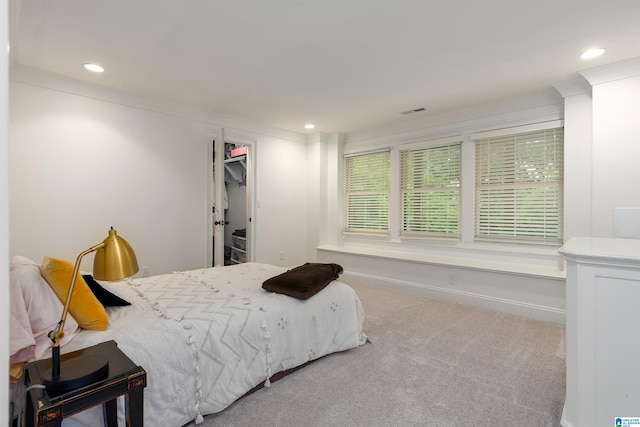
345 65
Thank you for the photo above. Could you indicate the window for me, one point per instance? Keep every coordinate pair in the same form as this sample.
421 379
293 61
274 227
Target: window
430 191
366 195
502 185
519 186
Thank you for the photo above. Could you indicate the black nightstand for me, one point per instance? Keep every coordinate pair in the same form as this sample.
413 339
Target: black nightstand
124 378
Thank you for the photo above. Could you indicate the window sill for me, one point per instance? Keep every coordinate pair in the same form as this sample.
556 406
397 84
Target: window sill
473 257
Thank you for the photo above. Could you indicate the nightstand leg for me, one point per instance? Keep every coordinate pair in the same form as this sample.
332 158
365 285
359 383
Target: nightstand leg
111 413
135 415
134 400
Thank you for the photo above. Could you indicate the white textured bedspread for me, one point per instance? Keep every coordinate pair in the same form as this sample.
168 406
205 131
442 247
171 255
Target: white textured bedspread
206 337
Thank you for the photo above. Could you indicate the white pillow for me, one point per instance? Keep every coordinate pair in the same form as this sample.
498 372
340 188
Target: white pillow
18 261
35 308
22 345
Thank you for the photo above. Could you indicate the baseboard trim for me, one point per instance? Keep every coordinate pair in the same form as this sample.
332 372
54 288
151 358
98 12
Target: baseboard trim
519 308
563 419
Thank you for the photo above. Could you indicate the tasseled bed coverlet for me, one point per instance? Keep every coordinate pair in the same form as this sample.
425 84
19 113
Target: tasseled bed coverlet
206 337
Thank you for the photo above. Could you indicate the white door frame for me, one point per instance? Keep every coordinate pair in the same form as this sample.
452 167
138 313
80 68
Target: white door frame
220 136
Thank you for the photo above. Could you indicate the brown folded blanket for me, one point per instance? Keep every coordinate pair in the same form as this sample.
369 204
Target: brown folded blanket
304 281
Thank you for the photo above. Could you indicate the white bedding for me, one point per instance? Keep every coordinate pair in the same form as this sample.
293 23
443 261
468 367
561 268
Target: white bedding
206 337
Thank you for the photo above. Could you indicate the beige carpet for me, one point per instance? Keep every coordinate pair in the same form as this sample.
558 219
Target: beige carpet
429 363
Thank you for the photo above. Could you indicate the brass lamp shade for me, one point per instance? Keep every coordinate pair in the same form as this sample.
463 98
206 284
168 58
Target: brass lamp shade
115 260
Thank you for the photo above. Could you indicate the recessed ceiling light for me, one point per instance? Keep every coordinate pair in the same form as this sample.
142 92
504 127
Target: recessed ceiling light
592 53
94 67
309 126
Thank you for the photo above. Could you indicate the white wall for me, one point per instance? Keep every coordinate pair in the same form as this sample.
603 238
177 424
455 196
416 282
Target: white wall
282 196
602 147
4 210
324 181
79 164
616 142
578 153
316 179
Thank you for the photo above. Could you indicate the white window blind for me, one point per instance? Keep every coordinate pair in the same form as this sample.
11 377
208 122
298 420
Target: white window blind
519 187
430 190
366 193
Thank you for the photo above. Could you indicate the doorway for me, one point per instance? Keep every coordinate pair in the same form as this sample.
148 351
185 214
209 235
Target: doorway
231 200
235 203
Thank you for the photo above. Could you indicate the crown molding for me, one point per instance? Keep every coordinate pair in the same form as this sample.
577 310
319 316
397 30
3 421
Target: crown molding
39 78
612 72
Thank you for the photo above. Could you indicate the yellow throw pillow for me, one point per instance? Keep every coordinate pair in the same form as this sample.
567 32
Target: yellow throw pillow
84 307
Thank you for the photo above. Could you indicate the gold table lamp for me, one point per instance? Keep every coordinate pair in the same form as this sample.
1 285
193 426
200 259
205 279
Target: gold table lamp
114 260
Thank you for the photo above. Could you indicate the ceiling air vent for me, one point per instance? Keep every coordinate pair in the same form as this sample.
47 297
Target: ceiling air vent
417 110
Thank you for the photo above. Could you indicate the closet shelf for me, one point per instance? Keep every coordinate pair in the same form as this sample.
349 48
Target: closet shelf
236 167
240 159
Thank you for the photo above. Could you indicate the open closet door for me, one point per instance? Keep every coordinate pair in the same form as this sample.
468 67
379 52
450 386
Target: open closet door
232 199
218 208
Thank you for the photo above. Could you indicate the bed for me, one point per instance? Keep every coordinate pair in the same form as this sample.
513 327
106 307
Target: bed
206 337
